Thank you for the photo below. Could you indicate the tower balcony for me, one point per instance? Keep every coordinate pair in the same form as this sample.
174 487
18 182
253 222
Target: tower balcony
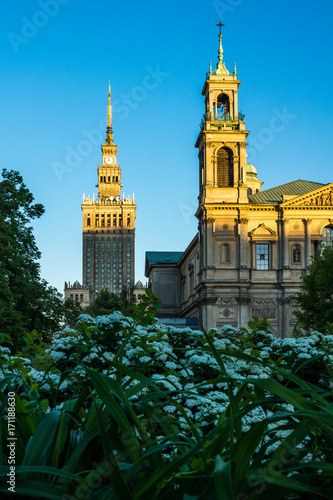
108 200
222 121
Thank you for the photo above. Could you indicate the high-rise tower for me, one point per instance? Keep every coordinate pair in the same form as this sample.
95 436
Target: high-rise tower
108 226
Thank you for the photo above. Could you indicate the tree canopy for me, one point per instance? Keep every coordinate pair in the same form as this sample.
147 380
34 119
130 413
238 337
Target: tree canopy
315 300
26 301
107 302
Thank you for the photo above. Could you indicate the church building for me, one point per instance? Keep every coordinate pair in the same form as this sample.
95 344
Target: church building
108 231
252 246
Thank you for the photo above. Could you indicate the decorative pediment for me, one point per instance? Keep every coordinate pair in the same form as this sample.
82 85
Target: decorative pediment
263 232
322 197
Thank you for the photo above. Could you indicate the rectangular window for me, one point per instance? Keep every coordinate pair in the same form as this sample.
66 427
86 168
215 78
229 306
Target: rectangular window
262 256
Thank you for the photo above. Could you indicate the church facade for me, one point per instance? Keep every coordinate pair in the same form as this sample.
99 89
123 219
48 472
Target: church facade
252 246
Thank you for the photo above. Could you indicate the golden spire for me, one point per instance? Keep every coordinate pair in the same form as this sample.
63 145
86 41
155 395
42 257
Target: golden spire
109 108
220 68
109 133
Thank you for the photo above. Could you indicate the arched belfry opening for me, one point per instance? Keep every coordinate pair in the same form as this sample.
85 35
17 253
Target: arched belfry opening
225 168
223 107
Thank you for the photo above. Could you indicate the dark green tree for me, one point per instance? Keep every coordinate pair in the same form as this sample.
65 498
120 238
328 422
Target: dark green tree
315 300
72 309
107 302
26 301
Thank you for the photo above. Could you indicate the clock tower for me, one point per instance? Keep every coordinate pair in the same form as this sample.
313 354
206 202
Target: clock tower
108 225
109 174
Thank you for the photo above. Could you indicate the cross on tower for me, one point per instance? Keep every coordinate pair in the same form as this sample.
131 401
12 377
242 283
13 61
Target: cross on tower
220 24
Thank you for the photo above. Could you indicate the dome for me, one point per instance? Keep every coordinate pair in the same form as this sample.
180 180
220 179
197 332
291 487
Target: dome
251 171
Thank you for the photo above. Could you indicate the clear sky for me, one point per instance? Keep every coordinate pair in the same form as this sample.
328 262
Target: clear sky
56 60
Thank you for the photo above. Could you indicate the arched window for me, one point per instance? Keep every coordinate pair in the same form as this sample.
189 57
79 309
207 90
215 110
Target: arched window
225 172
249 191
296 254
225 253
223 107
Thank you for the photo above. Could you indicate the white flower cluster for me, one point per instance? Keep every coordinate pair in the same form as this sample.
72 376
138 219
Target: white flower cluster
181 364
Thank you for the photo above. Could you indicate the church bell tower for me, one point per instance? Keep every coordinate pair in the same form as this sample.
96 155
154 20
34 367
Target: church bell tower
222 139
226 183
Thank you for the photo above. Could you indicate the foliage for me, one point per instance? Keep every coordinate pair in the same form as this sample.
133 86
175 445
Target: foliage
315 300
26 301
72 310
107 302
123 408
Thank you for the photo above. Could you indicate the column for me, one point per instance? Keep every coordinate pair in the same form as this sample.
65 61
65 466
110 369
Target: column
285 243
307 234
243 242
210 241
236 105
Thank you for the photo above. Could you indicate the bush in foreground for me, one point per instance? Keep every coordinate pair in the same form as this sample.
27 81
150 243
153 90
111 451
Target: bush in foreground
124 409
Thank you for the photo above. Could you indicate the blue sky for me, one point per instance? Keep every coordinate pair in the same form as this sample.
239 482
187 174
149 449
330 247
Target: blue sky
56 60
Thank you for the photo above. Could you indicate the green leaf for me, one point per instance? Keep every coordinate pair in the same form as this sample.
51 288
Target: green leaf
223 479
40 442
244 450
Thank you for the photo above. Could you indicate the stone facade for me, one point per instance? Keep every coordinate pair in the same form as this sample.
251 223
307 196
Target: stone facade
78 293
252 246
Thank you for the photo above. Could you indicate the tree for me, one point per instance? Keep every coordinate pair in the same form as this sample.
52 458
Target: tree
72 309
107 302
315 300
26 301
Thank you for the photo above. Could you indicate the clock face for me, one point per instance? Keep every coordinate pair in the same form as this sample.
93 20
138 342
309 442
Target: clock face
108 160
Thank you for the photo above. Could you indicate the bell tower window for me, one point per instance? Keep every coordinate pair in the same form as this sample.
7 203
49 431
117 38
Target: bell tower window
223 107
225 173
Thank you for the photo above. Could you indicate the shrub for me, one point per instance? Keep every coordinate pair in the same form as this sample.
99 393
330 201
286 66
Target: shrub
120 408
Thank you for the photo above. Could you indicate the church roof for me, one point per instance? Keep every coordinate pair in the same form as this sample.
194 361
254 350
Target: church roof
273 196
163 257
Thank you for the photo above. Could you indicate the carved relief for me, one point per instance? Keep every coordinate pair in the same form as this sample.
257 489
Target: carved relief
208 300
320 200
261 312
226 313
320 197
243 220
263 301
243 300
225 300
284 301
263 230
